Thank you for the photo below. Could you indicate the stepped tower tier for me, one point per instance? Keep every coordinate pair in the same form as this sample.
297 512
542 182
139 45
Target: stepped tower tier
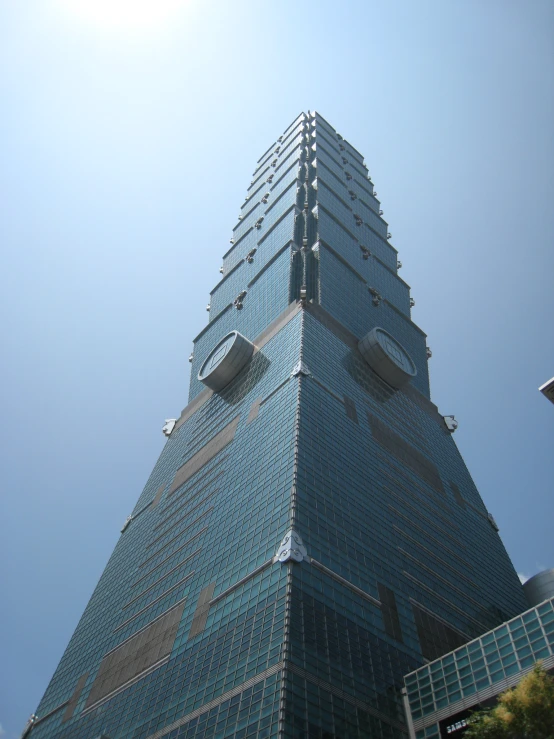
310 532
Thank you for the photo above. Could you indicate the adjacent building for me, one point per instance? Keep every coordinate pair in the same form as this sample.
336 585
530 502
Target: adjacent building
540 587
310 532
441 696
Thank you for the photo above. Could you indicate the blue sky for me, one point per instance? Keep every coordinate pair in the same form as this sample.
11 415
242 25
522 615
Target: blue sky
126 151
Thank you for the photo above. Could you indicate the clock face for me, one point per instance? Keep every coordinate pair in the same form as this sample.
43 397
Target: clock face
225 360
218 354
387 357
395 352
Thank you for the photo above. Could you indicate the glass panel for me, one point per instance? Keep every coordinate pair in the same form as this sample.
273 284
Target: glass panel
515 624
480 684
538 645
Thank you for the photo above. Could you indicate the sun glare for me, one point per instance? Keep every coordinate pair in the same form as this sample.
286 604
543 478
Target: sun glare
124 14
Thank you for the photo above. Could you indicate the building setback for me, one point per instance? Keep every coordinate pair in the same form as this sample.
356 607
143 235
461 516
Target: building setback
310 533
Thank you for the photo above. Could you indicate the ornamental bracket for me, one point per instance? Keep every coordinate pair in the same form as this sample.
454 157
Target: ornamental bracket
291 547
300 369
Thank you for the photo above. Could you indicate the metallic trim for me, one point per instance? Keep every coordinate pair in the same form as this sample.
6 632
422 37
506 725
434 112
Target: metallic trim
266 152
169 503
142 610
443 621
273 259
236 266
158 495
420 503
405 317
281 177
181 581
338 256
155 554
126 685
300 118
351 340
419 463
547 389
437 541
333 192
346 696
254 410
441 562
300 369
197 402
72 703
334 325
434 594
293 209
275 390
294 183
160 564
386 266
258 174
215 445
461 593
297 147
321 165
212 321
424 403
291 547
237 242
216 701
260 341
240 582
345 582
184 503
428 521
143 628
276 325
145 651
189 512
47 715
166 574
176 523
350 407
328 390
408 714
202 611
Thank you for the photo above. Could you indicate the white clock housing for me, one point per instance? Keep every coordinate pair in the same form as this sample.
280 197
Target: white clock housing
225 361
387 357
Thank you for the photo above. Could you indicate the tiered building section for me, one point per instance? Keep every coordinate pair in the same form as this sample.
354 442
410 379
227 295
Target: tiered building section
310 533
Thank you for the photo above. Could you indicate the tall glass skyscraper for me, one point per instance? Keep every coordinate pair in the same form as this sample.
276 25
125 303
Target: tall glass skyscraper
310 533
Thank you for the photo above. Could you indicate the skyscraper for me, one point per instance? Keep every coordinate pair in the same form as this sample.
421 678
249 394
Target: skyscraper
310 532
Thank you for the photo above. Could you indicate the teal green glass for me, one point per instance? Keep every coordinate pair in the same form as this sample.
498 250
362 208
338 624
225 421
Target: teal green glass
196 628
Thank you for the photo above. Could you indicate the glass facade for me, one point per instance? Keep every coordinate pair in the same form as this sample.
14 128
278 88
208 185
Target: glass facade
196 627
482 668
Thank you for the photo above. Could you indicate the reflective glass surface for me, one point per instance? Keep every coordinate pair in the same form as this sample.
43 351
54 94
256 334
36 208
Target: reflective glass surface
193 629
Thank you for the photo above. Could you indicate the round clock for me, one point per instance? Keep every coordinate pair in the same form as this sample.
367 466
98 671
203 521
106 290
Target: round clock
225 360
387 357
